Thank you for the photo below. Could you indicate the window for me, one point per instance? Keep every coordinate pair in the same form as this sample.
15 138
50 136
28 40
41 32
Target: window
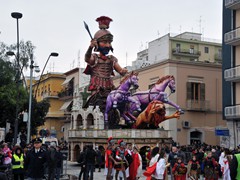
195 91
206 50
191 50
178 47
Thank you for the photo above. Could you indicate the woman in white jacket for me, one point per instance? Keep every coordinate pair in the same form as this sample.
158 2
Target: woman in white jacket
160 172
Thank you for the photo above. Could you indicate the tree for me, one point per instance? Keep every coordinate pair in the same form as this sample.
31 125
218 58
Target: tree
8 90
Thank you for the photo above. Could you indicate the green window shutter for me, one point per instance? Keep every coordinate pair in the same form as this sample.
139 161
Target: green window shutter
202 91
189 91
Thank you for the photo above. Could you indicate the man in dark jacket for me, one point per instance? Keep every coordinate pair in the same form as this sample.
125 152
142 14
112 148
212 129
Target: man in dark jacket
52 161
90 162
35 160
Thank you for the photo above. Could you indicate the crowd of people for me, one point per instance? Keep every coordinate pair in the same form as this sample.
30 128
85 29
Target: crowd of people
125 162
32 161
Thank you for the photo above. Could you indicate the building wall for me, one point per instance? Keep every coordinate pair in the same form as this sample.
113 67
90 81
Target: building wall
202 121
49 87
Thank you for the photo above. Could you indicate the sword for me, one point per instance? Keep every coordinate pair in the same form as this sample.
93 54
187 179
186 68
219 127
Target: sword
86 27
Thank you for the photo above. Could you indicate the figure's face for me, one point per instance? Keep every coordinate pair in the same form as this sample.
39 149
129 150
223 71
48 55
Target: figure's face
104 47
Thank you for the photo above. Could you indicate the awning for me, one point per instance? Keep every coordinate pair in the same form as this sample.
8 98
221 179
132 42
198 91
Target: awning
66 81
65 105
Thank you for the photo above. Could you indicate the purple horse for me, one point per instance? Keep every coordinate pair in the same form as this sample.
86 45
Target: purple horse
155 93
121 96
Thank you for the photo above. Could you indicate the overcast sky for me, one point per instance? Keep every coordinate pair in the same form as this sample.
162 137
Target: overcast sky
57 25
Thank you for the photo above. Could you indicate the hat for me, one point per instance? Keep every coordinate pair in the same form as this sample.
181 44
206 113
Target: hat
36 140
110 140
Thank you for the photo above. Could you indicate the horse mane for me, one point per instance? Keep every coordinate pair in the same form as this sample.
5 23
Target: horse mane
164 78
128 76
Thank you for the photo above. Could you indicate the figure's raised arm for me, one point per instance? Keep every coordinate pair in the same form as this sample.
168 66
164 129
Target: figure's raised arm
88 56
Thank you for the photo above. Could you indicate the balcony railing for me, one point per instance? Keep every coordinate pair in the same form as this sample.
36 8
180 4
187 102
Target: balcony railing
232 74
232 4
232 112
232 37
49 94
186 52
196 105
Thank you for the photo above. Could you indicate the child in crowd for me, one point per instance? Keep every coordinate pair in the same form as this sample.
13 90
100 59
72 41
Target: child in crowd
179 170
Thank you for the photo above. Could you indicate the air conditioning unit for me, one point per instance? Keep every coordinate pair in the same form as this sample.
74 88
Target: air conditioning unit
186 124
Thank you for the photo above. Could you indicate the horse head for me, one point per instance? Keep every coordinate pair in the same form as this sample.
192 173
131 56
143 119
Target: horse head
129 80
165 81
172 84
134 80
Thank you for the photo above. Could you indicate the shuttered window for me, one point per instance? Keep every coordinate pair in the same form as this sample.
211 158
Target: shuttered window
195 91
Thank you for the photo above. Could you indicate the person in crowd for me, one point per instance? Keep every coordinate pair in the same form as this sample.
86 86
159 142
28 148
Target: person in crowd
225 164
23 139
200 157
52 161
181 154
120 157
162 164
90 162
136 165
234 167
150 171
9 136
179 170
110 159
193 168
82 162
7 154
210 167
35 161
148 155
18 163
59 159
99 158
172 159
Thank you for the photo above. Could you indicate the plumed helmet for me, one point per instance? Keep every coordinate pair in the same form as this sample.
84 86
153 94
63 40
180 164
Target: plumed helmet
121 143
110 141
103 34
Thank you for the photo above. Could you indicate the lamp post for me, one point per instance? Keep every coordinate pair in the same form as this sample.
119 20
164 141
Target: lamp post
54 54
30 100
17 15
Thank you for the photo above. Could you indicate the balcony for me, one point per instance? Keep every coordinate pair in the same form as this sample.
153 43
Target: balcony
49 95
232 74
195 105
65 94
232 112
232 4
232 37
186 52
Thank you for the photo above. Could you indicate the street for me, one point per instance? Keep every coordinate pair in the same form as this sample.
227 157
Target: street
73 170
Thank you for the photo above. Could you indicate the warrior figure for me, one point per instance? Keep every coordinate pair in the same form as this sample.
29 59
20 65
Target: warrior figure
101 65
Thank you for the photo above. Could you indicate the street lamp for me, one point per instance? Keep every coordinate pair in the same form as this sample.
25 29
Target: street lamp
17 15
54 54
30 99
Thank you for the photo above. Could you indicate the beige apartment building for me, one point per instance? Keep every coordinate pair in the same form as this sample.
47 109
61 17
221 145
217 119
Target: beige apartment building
198 93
